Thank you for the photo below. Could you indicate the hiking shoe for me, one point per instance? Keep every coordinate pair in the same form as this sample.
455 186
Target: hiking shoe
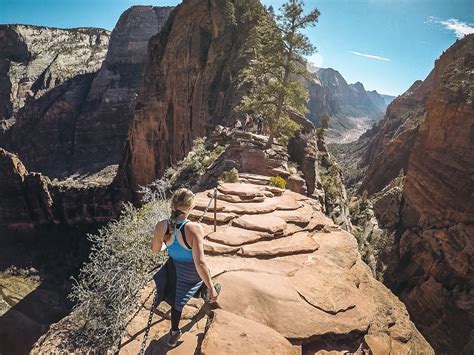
173 337
206 295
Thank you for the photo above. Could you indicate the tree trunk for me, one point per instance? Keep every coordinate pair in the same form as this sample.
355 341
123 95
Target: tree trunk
271 137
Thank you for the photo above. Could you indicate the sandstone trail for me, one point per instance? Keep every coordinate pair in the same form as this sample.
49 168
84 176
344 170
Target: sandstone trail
292 282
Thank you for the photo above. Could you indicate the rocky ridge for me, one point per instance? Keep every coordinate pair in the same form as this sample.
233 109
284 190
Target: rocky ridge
419 179
190 85
36 59
30 200
306 288
77 94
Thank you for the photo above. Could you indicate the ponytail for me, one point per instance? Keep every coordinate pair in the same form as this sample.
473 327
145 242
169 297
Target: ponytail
172 221
182 199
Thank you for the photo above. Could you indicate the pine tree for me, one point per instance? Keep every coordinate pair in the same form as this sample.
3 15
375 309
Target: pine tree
279 50
324 124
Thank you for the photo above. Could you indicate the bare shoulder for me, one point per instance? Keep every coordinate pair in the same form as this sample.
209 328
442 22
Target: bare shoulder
195 228
161 225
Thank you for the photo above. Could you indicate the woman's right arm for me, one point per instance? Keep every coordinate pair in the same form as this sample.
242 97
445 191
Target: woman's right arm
158 234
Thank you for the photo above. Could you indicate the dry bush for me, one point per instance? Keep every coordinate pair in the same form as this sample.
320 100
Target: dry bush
120 264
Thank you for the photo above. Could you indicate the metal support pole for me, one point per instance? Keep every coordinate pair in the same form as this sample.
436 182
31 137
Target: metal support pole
215 209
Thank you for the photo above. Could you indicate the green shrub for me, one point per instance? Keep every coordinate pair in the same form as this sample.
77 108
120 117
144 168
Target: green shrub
230 176
120 264
332 183
187 171
292 168
278 181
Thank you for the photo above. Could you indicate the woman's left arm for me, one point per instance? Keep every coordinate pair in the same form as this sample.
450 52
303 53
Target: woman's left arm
198 254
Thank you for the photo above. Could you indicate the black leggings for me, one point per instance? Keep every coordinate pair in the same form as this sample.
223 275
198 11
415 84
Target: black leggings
175 318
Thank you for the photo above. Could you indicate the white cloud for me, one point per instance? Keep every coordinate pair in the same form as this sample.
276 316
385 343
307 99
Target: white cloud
459 28
371 56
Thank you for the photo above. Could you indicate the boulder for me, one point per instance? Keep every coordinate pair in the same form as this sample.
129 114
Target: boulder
254 337
263 223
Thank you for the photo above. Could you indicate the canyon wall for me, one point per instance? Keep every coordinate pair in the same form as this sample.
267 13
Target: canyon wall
428 135
29 200
74 92
68 119
102 126
45 76
390 147
435 276
36 59
190 84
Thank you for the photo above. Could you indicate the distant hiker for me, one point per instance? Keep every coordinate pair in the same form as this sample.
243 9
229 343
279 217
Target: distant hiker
248 123
238 124
184 241
259 124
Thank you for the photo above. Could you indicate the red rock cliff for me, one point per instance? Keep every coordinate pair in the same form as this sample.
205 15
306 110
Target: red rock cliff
189 85
78 118
439 185
389 151
430 266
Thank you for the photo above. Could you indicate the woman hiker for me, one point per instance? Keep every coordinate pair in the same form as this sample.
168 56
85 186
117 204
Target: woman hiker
184 242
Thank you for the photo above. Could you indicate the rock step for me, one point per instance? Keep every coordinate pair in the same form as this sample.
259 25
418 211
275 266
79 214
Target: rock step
242 190
251 181
255 177
237 199
301 216
221 218
263 223
233 236
299 243
213 248
246 336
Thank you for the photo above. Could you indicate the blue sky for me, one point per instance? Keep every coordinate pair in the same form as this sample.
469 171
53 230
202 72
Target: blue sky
385 44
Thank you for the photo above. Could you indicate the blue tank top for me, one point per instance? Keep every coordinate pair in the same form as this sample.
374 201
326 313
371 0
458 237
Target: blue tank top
175 250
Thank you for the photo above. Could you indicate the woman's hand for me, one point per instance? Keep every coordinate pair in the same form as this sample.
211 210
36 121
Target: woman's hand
214 295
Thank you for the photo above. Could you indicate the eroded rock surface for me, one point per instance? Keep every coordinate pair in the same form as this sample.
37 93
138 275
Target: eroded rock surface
420 176
190 85
33 61
303 292
73 105
435 274
28 200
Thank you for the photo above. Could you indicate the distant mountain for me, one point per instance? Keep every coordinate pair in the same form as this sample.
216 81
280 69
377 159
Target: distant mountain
388 99
36 59
69 94
352 109
380 100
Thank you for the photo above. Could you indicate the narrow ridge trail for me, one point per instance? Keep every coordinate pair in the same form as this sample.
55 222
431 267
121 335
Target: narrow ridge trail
292 282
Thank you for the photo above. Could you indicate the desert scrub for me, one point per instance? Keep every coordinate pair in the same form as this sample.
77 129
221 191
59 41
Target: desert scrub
332 183
230 176
230 13
278 181
292 168
120 264
187 171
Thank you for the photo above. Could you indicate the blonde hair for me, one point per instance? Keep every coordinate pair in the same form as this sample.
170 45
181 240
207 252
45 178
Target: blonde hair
181 201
